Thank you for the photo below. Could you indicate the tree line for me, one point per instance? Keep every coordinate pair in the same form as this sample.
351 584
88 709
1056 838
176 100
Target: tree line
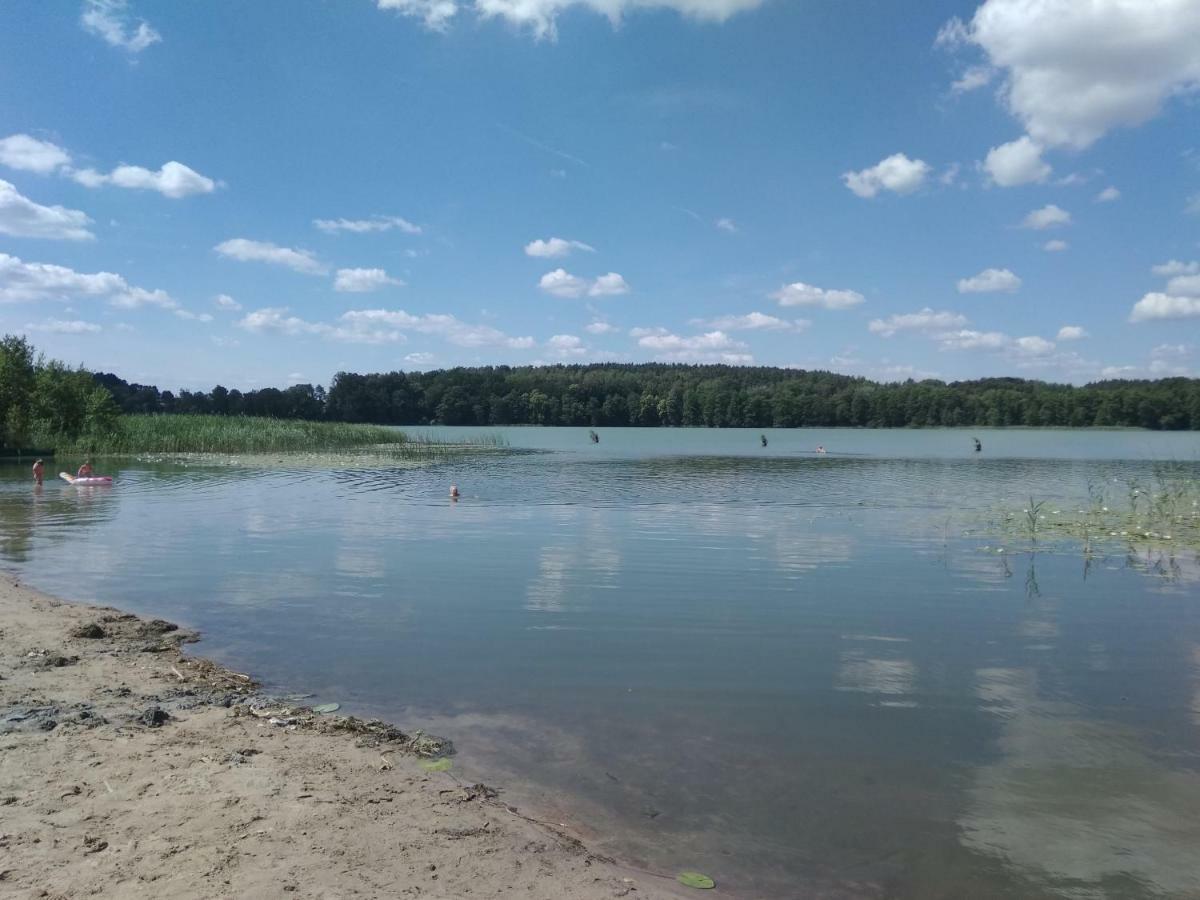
666 395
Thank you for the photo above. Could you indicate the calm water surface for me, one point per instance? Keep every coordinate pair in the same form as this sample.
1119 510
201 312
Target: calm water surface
793 672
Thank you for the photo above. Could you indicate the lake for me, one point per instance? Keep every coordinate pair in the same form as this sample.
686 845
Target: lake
803 674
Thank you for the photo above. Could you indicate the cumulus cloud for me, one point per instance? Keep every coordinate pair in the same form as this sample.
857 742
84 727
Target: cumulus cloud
754 321
364 226
1180 300
420 358
897 173
276 319
800 294
1017 162
21 217
436 14
600 327
1033 346
64 326
173 179
1072 333
561 283
358 281
1049 216
443 325
566 346
990 281
968 339
22 282
224 301
1055 246
193 317
1075 70
112 21
1108 195
263 251
1164 306
20 151
1175 267
608 285
712 346
926 320
555 248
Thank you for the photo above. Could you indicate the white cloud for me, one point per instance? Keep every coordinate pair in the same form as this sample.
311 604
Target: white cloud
224 301
609 285
1118 371
897 173
1074 69
446 326
363 226
990 281
727 225
599 327
22 282
20 151
1055 246
1184 286
539 16
1171 351
967 339
276 319
754 321
1163 306
561 283
662 339
436 14
262 251
1072 333
358 281
1033 346
973 79
1108 195
800 294
1049 216
110 20
926 320
1175 267
193 317
1017 162
174 179
566 346
420 358
21 217
62 326
555 248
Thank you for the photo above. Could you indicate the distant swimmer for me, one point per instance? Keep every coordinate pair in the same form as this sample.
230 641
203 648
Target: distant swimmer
595 438
978 446
820 449
763 438
454 492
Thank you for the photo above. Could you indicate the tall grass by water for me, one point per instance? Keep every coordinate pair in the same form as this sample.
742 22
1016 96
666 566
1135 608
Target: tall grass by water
136 434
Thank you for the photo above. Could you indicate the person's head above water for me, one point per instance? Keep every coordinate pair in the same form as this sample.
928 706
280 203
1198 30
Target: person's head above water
454 490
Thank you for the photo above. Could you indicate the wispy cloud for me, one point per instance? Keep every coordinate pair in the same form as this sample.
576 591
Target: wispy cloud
111 21
245 250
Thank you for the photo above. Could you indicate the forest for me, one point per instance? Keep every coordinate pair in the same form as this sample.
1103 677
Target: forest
675 395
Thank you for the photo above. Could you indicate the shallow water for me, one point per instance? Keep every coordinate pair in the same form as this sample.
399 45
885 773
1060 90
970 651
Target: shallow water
792 671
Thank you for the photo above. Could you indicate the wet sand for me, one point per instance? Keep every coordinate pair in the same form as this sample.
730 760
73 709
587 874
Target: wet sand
129 768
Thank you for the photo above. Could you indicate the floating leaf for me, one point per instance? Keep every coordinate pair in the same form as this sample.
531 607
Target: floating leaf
436 765
326 708
695 880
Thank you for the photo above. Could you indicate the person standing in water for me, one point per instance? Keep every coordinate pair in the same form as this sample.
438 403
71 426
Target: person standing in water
39 471
978 446
763 438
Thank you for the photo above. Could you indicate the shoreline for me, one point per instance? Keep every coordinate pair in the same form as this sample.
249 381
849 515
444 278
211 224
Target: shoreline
131 768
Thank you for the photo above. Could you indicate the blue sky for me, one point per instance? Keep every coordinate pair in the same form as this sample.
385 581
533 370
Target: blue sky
257 193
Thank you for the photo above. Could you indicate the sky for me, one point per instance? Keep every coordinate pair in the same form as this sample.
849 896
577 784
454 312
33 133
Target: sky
266 193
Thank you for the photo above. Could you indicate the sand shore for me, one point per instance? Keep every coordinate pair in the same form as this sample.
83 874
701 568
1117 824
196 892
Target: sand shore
129 768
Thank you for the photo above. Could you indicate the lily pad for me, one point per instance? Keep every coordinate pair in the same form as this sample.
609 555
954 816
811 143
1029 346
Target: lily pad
436 765
326 708
695 880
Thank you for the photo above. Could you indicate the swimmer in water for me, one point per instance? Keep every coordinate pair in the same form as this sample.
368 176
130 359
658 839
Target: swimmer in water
820 449
454 492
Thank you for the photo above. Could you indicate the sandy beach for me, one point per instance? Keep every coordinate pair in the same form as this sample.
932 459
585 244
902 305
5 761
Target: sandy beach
130 768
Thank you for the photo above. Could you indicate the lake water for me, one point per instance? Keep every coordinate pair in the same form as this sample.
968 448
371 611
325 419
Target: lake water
805 675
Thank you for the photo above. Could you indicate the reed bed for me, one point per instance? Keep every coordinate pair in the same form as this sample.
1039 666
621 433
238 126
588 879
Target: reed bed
169 434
